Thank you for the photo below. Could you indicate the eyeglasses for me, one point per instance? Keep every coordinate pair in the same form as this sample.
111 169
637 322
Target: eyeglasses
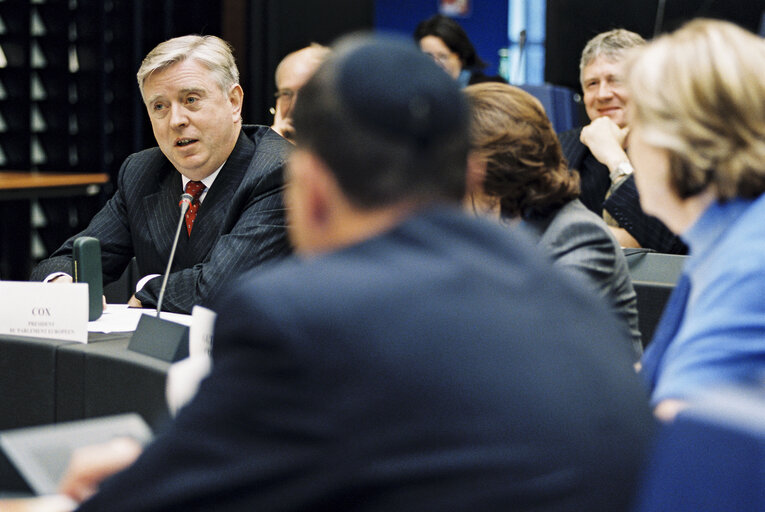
285 97
441 58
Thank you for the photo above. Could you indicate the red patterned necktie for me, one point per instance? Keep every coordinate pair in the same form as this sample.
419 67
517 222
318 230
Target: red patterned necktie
193 188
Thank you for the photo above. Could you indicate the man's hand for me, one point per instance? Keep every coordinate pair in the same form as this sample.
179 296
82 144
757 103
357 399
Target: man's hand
90 465
134 303
606 141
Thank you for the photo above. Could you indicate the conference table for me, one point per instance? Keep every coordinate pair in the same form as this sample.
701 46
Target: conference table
45 381
17 189
48 381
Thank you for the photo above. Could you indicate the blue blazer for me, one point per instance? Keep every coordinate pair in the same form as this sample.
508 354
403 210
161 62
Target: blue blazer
444 365
239 225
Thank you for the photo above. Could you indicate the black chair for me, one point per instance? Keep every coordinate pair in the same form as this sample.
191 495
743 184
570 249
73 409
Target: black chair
710 458
654 276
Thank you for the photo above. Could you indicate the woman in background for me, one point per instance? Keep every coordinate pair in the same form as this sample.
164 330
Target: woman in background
698 134
447 43
520 176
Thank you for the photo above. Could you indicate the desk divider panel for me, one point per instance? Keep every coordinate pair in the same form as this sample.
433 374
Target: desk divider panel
28 381
105 378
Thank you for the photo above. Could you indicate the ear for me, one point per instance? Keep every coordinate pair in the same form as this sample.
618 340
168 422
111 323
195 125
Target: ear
311 202
236 98
319 191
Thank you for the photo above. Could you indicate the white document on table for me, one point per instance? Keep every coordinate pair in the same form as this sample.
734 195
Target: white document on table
120 318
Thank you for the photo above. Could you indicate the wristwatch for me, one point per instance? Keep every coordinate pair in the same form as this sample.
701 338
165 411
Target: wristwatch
620 171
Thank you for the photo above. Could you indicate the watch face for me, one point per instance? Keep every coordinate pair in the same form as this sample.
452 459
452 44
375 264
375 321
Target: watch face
624 168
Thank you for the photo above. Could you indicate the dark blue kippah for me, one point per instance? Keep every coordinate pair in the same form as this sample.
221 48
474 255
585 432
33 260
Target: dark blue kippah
388 85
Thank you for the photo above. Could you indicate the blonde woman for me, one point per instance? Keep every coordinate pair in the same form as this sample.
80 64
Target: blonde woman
698 134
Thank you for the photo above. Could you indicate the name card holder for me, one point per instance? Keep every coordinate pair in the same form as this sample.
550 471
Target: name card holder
44 310
160 338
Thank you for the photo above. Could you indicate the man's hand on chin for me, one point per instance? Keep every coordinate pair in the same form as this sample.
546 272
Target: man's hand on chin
606 141
134 303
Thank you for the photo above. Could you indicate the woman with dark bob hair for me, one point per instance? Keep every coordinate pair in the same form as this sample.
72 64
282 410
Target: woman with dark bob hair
520 176
697 134
447 43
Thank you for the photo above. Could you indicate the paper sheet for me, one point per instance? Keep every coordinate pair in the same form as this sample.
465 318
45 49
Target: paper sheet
120 318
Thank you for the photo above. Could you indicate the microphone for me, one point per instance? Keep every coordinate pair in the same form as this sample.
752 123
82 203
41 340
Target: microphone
159 338
184 203
521 54
659 23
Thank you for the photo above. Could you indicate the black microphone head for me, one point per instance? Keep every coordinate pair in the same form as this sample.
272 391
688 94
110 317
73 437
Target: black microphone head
185 198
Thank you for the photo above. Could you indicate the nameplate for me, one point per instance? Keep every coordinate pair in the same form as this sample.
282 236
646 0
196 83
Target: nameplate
44 310
201 331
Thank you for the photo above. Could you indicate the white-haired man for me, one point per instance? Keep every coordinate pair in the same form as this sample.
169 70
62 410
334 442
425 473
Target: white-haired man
190 86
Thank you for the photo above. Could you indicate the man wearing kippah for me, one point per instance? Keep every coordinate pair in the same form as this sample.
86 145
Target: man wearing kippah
411 356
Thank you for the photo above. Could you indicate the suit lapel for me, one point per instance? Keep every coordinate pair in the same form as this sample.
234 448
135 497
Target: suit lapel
162 209
574 149
211 217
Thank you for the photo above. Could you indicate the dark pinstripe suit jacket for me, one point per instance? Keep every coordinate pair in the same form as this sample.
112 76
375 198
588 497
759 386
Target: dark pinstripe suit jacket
239 225
624 202
594 176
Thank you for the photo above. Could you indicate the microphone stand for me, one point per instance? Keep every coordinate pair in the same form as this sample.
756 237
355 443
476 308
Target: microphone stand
185 202
521 54
154 336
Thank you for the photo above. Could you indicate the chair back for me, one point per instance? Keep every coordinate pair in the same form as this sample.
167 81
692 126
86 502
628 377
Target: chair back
710 458
654 276
560 104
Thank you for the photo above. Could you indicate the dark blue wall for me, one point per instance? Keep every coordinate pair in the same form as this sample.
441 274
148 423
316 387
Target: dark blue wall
486 25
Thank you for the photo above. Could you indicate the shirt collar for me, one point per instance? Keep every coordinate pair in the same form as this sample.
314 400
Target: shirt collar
463 79
208 181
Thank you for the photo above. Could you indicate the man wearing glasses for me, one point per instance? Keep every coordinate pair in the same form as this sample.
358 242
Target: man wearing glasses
291 74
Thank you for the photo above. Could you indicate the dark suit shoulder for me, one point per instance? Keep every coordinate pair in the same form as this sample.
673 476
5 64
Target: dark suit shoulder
266 140
624 205
573 149
575 218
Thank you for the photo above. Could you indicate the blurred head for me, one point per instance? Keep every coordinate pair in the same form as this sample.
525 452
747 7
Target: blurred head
291 74
191 92
525 172
702 100
698 115
602 76
447 43
382 145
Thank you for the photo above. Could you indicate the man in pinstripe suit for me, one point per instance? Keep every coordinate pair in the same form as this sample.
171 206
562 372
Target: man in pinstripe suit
597 151
191 91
